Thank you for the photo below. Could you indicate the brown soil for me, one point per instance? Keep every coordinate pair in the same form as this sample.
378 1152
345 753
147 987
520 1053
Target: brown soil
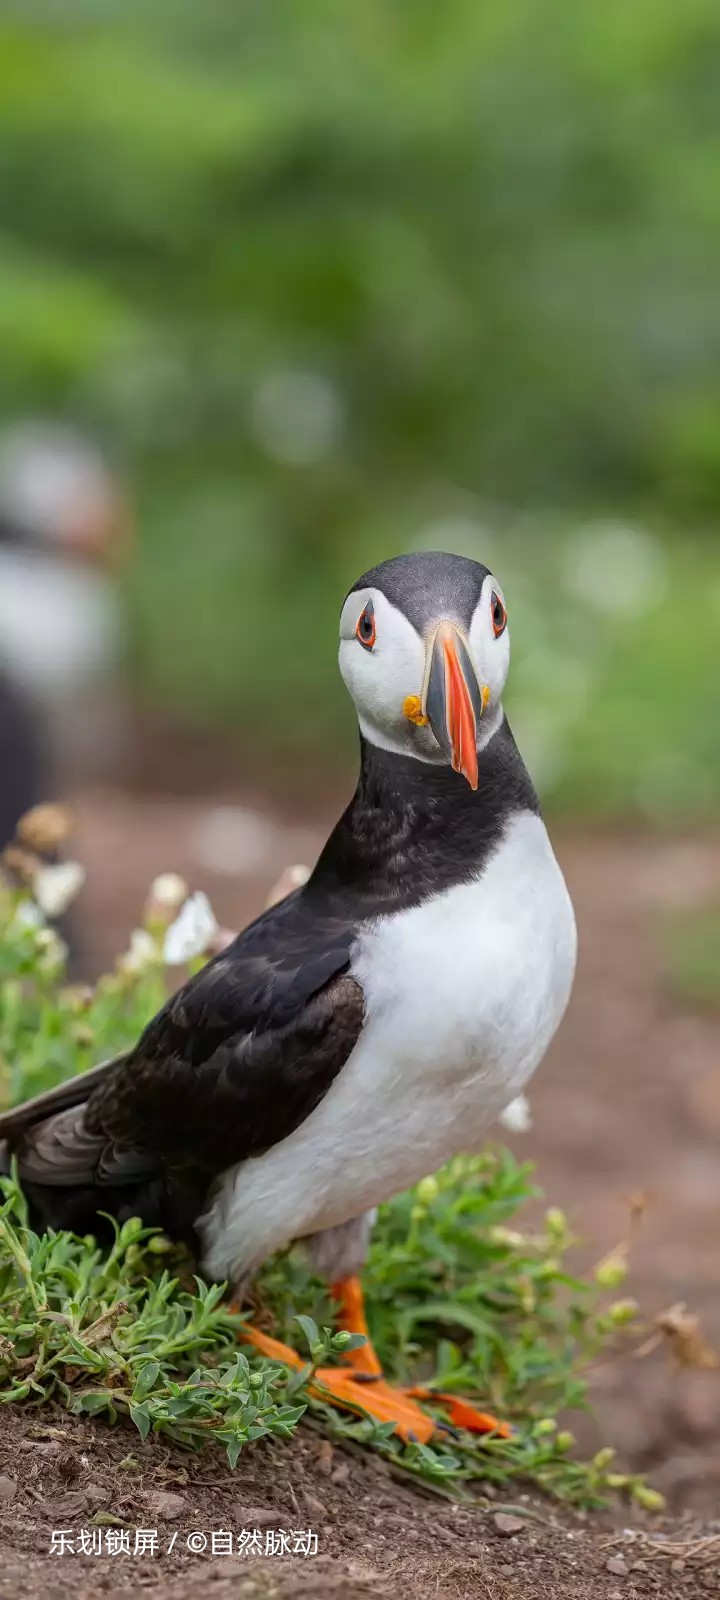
629 1100
375 1537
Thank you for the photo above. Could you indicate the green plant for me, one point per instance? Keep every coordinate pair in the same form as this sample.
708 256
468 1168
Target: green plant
460 1301
113 1334
692 956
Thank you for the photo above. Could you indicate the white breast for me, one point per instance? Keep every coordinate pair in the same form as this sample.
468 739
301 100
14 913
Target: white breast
463 995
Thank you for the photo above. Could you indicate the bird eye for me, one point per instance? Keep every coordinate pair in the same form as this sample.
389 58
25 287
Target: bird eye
365 630
499 615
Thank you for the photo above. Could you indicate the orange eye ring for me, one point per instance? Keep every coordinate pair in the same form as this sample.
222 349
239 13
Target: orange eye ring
365 630
499 615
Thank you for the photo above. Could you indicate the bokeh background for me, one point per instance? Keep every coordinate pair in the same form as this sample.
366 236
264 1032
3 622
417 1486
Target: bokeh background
316 284
333 281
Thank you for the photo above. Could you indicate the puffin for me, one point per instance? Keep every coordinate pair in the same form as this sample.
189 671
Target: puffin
366 1028
62 530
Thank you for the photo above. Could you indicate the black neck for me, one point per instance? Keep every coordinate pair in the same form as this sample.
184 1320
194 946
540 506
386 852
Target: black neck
413 828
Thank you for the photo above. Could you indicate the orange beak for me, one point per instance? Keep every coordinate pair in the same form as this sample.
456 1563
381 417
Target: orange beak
453 701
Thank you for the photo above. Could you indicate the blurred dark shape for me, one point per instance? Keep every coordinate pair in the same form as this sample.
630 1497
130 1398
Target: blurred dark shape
23 775
61 528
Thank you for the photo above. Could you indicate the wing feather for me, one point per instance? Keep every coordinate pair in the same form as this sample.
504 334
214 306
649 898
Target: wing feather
251 1092
72 1092
231 1065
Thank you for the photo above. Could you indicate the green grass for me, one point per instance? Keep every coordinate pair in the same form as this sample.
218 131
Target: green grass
113 1334
459 1297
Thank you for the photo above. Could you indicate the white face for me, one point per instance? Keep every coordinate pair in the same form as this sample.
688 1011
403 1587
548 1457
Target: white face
381 673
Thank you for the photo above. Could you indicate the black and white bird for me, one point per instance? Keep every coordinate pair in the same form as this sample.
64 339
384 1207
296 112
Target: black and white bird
371 1025
61 524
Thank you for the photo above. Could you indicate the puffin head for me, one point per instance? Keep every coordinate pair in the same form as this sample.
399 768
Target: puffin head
424 652
58 498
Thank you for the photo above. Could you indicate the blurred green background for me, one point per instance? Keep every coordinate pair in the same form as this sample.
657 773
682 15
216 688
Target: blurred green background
334 281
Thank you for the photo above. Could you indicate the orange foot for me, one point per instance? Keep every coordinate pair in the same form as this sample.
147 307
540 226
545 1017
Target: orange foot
363 1388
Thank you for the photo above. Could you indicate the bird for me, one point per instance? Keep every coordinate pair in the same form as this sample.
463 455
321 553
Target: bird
62 525
369 1026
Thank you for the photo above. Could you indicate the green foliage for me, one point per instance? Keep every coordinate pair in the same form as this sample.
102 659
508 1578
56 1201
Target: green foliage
461 218
338 281
457 1299
51 1029
94 1331
692 953
461 1302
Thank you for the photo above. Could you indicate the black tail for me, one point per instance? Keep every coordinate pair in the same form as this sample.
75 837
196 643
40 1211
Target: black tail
73 1092
63 1168
64 1205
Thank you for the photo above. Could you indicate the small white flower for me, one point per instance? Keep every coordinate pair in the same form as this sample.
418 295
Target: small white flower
191 932
169 890
142 950
27 915
51 949
516 1117
54 888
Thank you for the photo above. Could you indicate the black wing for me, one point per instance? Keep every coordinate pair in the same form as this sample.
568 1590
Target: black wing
231 1065
211 1094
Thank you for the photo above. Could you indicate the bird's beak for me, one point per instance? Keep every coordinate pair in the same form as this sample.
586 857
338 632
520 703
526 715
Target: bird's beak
453 700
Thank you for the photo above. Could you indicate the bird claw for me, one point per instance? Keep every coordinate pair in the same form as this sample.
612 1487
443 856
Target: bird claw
350 1389
462 1414
273 1349
364 1389
378 1399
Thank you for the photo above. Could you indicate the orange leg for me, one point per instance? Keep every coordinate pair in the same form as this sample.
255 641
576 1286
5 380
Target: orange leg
373 1396
364 1388
351 1315
462 1414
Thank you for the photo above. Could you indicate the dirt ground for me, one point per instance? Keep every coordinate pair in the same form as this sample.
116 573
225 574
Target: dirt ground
375 1537
627 1101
